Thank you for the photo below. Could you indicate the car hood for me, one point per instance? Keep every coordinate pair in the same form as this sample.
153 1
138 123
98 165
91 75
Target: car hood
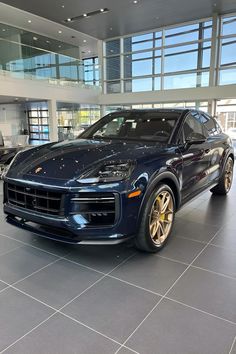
69 159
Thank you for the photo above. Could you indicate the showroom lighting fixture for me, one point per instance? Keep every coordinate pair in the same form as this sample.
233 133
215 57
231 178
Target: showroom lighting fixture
63 6
135 2
87 15
29 21
84 41
4 30
60 31
35 38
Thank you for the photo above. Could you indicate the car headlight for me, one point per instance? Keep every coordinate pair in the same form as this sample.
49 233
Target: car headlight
108 172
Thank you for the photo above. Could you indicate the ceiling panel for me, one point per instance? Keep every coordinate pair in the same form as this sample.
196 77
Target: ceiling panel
124 16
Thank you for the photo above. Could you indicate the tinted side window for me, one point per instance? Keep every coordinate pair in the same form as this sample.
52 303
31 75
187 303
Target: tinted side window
209 124
192 125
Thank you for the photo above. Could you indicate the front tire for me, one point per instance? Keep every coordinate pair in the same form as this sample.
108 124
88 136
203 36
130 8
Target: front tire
157 220
225 182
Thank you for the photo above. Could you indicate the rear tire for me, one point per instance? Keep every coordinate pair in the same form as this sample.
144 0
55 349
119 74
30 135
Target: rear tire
225 182
157 220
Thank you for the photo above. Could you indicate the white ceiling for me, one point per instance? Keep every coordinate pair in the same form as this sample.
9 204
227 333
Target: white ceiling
19 18
124 16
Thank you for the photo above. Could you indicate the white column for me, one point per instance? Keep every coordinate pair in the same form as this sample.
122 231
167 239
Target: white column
101 62
52 112
102 110
214 50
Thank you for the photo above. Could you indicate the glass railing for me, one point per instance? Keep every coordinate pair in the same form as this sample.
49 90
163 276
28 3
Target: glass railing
28 62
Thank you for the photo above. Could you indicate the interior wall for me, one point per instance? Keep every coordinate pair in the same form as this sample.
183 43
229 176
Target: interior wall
12 119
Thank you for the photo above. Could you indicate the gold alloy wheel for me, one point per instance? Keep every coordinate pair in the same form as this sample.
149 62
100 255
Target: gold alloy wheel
228 174
161 217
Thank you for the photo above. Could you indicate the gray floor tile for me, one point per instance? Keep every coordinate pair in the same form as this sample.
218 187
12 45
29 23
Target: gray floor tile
102 258
202 216
59 283
231 222
233 351
112 307
6 245
150 272
60 335
218 260
58 248
193 230
19 314
2 285
181 249
226 238
124 350
22 262
175 329
208 292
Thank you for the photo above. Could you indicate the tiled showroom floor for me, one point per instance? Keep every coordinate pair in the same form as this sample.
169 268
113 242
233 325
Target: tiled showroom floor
61 299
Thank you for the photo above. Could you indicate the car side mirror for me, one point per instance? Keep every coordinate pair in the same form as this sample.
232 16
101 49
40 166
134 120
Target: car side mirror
196 138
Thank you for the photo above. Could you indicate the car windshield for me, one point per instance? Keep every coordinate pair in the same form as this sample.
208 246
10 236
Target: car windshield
148 126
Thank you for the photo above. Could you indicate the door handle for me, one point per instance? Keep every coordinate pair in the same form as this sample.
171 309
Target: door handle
207 151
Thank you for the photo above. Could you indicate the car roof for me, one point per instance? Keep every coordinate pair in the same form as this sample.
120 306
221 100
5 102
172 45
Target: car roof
181 111
151 110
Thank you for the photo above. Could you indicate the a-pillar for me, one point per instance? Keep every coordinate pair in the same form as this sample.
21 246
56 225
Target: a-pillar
52 112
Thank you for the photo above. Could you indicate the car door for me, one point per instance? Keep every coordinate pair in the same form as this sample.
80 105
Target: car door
218 141
196 156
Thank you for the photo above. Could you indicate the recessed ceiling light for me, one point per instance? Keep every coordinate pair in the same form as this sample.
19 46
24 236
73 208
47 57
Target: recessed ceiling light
63 6
16 99
84 41
68 20
35 38
4 30
135 2
60 31
85 15
59 46
29 21
111 28
89 51
102 10
47 41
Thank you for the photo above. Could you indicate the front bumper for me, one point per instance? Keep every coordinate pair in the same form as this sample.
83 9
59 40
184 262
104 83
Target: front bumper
68 227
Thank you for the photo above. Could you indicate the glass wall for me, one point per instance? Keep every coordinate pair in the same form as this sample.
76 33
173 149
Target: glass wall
226 114
202 105
74 118
91 71
227 72
176 57
31 56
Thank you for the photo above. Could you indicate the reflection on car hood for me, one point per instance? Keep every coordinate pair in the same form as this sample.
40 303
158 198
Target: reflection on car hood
69 159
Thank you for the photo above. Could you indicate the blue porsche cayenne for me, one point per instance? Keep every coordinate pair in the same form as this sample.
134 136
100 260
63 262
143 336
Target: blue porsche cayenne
124 177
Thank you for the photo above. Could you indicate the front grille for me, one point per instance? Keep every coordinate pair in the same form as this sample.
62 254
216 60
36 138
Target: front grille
31 198
97 209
